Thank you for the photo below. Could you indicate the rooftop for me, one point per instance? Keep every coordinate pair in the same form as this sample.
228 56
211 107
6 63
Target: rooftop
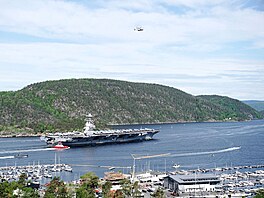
113 176
203 178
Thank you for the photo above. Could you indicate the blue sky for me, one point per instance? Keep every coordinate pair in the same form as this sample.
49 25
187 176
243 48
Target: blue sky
198 46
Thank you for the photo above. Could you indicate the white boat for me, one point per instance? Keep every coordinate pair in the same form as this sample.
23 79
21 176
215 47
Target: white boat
176 166
68 168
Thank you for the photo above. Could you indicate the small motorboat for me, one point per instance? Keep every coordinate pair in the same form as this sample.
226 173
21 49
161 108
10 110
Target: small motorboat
19 155
60 146
176 166
68 168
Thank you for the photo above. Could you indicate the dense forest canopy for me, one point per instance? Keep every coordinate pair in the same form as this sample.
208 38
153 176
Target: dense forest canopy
63 104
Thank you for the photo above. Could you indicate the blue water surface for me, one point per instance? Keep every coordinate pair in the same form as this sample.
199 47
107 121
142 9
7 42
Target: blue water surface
192 145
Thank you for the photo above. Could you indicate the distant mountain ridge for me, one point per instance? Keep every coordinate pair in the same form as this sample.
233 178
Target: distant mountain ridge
63 104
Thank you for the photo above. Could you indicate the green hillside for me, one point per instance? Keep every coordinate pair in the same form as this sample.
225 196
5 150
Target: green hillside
233 109
256 104
62 105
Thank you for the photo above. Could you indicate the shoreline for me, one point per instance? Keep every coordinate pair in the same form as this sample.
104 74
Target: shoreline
182 122
5 134
20 135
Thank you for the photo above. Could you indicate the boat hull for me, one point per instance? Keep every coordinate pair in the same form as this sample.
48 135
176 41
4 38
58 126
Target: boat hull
78 141
91 137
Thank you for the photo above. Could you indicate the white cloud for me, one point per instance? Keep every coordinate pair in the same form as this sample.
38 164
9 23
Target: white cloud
195 3
66 20
97 40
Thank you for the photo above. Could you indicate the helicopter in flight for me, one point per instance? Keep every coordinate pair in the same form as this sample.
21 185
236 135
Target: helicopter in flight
138 28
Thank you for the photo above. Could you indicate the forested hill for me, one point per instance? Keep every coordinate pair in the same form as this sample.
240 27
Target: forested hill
256 104
62 105
232 108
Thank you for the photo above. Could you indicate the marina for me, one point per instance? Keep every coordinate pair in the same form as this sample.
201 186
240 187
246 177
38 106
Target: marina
243 180
33 172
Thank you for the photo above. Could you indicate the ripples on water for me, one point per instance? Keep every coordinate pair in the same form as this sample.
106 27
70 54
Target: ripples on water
191 145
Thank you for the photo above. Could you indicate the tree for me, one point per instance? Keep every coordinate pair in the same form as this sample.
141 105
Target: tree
22 179
30 192
118 194
57 189
90 179
90 182
85 191
135 191
260 194
159 193
106 189
129 189
7 189
126 187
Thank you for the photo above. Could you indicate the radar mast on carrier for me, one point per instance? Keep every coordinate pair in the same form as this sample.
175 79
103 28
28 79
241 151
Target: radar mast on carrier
89 125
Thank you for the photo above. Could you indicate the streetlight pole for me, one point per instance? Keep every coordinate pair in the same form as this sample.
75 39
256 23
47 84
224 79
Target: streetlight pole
134 167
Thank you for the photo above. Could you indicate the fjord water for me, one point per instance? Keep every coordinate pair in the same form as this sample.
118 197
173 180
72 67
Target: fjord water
192 145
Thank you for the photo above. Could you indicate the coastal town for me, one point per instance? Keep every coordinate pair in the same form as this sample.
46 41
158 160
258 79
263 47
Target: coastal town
237 181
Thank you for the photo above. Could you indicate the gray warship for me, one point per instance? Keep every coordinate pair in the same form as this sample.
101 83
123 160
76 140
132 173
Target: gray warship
91 137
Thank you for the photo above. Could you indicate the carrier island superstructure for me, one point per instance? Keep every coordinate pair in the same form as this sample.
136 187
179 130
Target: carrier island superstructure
90 137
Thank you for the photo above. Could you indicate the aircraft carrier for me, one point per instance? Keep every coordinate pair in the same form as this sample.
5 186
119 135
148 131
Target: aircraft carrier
91 137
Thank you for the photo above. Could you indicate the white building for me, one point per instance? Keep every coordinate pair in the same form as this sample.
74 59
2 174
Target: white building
191 183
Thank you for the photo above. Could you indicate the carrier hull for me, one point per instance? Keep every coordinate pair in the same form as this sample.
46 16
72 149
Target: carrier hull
76 141
91 137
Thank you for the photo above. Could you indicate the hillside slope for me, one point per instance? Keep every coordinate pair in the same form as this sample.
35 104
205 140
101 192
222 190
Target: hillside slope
63 104
233 108
256 104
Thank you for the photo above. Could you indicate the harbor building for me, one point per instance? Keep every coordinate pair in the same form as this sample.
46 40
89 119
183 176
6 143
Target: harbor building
191 183
114 177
